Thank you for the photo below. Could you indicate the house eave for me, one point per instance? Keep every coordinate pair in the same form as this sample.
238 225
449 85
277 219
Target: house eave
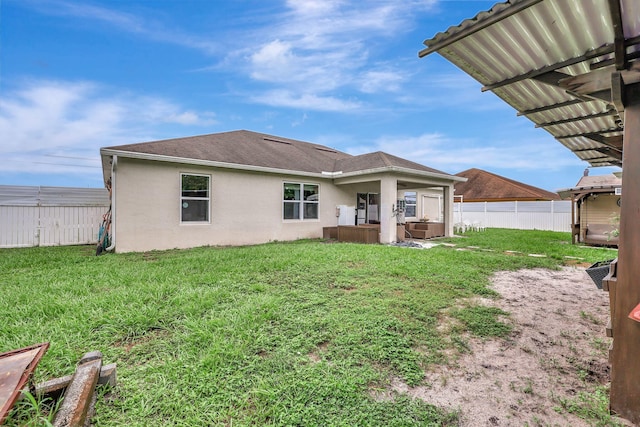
336 175
208 163
401 171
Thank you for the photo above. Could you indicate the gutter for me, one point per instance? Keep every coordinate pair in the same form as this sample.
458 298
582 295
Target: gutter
114 162
401 170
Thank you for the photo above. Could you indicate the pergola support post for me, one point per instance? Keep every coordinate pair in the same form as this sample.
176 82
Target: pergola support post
625 359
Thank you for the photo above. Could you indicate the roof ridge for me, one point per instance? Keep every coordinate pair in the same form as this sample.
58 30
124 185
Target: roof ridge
385 158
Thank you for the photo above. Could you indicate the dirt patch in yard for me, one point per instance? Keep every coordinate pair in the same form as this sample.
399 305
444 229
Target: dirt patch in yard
558 350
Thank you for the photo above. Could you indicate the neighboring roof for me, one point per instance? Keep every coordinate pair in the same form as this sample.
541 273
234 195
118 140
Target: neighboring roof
552 60
246 149
608 180
593 184
483 186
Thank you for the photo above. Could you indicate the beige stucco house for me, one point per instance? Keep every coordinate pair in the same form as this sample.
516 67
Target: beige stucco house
242 187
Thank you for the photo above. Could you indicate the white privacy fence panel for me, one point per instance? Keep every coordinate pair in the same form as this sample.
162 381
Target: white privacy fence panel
50 216
66 225
543 215
18 226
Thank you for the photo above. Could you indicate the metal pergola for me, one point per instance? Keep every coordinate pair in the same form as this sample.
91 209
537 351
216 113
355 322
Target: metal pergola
573 68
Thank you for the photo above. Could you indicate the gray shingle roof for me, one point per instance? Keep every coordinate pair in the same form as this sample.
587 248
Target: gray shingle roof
244 147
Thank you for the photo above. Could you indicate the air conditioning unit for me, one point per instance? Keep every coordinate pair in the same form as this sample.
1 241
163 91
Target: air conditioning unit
400 208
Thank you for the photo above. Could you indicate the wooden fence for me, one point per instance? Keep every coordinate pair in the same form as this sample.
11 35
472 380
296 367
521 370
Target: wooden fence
50 216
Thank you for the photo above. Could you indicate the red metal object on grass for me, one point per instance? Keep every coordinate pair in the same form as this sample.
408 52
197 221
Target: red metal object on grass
16 367
635 313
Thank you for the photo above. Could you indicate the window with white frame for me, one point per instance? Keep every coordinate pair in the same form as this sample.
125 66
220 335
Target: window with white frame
300 201
410 200
194 197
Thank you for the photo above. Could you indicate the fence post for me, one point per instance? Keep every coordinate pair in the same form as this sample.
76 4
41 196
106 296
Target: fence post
38 236
484 220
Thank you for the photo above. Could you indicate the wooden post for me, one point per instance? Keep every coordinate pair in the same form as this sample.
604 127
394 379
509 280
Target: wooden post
574 240
79 398
625 355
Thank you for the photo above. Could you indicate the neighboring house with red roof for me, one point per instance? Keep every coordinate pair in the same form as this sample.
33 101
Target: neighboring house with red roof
242 187
595 213
490 200
483 186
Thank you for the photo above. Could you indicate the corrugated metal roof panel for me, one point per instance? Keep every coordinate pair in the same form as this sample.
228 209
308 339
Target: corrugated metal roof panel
17 195
513 50
14 195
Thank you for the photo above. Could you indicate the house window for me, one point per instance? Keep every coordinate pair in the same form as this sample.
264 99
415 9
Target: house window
410 198
194 198
300 201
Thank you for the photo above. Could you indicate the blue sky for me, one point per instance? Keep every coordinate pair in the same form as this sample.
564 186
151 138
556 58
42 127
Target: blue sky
79 75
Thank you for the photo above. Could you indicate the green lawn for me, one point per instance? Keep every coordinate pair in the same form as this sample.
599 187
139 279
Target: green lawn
300 333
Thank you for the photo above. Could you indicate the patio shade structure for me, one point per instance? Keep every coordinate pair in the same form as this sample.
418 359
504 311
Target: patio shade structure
572 67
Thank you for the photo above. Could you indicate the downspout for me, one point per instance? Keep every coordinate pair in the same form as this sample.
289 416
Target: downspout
114 162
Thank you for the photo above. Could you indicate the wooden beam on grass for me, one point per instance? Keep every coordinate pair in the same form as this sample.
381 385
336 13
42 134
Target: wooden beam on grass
79 398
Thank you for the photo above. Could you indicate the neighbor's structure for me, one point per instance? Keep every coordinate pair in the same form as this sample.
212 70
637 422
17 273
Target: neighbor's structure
484 186
242 187
595 209
571 67
490 200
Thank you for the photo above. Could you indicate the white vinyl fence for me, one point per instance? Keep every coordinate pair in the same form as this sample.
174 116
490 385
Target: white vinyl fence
543 215
50 216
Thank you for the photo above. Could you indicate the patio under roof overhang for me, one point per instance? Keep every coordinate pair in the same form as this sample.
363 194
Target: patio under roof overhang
392 179
573 68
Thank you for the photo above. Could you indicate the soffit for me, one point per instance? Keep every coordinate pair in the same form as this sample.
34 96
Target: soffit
530 52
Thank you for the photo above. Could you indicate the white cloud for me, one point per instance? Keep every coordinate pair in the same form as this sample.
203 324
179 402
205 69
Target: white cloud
312 7
441 152
191 118
324 49
300 121
381 81
455 90
45 121
123 21
284 98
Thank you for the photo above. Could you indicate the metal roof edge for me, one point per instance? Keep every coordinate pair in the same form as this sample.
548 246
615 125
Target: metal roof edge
482 20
